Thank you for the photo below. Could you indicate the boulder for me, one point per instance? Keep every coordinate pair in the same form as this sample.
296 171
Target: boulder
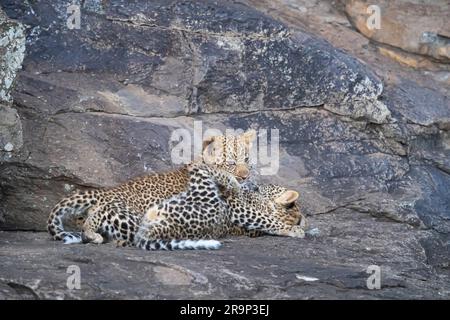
12 49
414 26
336 264
99 103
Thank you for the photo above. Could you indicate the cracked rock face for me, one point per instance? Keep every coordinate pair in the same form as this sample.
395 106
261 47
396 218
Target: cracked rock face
12 48
414 26
99 104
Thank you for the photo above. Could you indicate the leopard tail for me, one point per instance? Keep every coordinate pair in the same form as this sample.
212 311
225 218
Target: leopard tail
178 244
76 204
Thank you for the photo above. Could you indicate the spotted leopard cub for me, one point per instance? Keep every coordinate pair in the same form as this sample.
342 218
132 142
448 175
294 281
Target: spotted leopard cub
287 214
214 205
228 152
199 208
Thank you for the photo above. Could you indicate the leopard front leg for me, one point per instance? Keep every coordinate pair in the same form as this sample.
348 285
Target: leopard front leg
288 231
240 231
255 224
276 229
253 233
224 179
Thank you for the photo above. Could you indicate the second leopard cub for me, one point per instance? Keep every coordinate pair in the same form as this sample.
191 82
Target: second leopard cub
213 206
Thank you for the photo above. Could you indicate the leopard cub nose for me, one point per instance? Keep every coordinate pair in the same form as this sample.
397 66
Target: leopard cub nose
242 172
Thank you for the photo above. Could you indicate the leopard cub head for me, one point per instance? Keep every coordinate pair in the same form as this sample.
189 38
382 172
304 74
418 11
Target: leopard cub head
230 153
285 202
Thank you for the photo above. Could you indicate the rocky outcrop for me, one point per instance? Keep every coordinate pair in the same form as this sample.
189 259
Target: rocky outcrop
98 112
359 133
12 48
413 26
334 265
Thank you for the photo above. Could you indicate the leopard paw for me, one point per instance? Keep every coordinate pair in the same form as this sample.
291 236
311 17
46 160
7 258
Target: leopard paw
296 232
92 237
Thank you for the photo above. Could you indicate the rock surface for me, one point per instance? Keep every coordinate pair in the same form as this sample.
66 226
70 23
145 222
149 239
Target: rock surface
98 113
12 49
332 265
365 140
414 26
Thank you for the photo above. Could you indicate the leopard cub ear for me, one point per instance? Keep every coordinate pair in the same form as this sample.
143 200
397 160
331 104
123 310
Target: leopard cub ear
287 197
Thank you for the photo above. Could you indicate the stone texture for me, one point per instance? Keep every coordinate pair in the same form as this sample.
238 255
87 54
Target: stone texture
364 139
10 131
12 49
245 268
107 115
329 20
414 26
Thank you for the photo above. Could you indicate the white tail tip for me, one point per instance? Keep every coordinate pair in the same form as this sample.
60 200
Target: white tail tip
197 244
69 239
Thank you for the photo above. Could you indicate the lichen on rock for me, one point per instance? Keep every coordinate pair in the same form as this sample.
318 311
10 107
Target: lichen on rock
12 51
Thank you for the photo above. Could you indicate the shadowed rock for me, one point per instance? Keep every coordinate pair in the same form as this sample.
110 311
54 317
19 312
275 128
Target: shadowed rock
332 265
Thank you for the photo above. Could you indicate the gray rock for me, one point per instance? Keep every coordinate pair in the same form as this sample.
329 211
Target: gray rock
12 50
98 106
35 267
100 114
413 26
10 131
8 147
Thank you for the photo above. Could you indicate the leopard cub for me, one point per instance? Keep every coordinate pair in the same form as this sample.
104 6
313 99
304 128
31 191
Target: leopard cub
227 152
213 207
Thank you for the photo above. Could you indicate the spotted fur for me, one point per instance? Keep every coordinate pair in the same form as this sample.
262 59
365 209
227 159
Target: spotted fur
229 152
213 207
